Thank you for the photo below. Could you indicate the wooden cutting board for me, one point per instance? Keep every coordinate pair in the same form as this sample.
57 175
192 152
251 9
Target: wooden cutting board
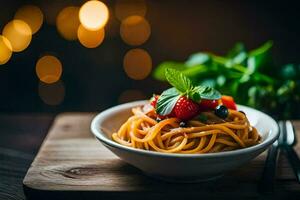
73 164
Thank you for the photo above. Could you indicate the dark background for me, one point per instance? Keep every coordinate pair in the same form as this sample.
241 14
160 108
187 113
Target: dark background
94 79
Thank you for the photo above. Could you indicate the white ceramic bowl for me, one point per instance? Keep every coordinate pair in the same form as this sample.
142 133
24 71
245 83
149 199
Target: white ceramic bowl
182 167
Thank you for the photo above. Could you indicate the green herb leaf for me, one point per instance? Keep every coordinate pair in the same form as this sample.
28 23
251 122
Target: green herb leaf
236 50
178 80
167 101
237 55
197 59
289 71
195 96
286 88
209 82
240 58
206 92
185 87
259 56
221 80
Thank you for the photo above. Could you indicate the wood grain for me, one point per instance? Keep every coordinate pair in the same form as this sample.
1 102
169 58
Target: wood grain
72 163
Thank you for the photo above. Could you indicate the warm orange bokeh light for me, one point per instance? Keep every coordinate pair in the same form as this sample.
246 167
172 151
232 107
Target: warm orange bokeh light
90 39
48 69
93 15
51 9
137 64
131 95
18 33
135 30
67 22
126 8
52 94
32 15
5 50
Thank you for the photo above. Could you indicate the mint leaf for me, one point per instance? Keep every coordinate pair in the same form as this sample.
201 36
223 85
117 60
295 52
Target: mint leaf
197 59
205 92
236 50
195 96
177 79
167 101
259 57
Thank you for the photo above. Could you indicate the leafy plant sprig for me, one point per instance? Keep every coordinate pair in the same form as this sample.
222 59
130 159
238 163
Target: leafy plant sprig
182 86
251 77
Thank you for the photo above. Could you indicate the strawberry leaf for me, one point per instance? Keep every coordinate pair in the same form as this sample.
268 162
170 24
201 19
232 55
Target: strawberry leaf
167 101
177 79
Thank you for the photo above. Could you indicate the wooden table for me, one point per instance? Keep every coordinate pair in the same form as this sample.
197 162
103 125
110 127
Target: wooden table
21 136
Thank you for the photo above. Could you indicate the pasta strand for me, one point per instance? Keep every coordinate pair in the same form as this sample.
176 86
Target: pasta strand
142 131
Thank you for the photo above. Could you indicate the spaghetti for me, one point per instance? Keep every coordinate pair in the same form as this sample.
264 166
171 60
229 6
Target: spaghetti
142 131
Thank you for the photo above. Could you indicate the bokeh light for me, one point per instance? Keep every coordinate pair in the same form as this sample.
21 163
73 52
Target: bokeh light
131 95
52 94
135 30
90 39
32 15
18 33
48 69
137 64
5 50
93 15
126 8
67 22
51 9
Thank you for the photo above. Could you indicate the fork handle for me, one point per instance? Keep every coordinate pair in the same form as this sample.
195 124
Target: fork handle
294 161
266 184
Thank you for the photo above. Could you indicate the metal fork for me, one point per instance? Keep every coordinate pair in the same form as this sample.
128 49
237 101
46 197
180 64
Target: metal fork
266 183
286 141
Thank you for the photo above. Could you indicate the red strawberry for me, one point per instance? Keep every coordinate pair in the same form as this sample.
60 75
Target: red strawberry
186 109
206 104
153 100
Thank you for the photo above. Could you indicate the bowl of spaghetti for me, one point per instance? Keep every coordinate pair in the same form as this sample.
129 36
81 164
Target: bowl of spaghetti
196 151
187 133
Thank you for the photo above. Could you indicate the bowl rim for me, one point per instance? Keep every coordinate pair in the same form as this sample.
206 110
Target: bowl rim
98 133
